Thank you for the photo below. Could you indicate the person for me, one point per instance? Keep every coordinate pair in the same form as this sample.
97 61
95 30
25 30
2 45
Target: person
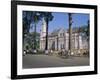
50 51
26 51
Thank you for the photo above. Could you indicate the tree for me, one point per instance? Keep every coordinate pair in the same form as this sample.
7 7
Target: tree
48 17
36 19
79 38
29 40
27 19
70 32
30 17
87 32
84 31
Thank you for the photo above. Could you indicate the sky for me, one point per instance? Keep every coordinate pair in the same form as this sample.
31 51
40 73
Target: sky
60 20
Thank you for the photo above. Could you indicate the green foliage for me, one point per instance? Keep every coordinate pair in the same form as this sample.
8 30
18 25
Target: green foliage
47 15
29 40
85 29
33 17
28 18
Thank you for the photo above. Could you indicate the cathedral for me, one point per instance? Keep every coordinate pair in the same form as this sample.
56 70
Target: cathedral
59 39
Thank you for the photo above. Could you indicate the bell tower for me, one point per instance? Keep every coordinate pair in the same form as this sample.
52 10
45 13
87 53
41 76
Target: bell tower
43 34
43 30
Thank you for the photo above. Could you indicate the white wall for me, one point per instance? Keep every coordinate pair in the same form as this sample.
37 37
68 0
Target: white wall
5 29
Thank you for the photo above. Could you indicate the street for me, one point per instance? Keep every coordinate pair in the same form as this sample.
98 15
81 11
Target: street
43 61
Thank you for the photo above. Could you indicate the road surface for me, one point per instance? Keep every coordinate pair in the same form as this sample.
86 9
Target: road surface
44 61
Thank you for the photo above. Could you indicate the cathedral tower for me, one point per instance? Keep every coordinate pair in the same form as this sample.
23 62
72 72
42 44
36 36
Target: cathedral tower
43 34
43 29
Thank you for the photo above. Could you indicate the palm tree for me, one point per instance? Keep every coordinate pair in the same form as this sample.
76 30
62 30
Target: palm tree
79 39
36 19
26 21
70 32
88 33
47 17
30 17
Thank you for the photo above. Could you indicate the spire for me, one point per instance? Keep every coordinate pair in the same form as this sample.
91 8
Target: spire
43 30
